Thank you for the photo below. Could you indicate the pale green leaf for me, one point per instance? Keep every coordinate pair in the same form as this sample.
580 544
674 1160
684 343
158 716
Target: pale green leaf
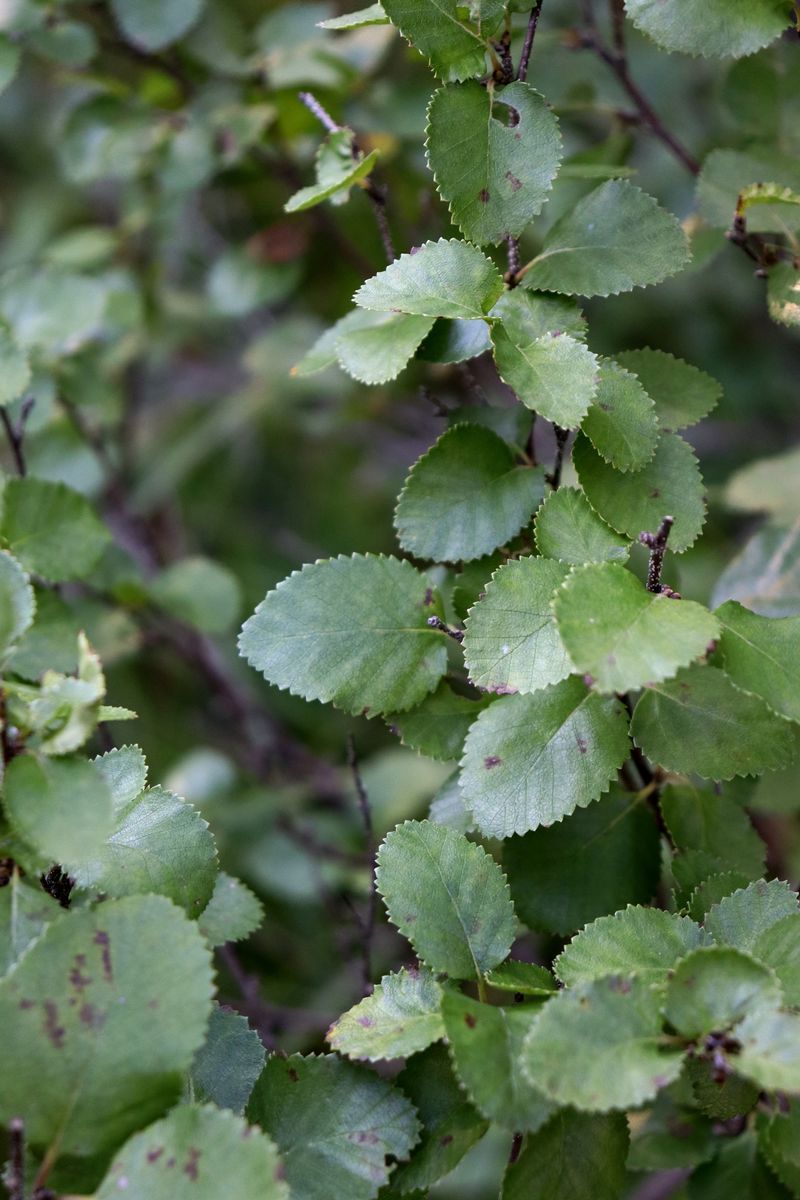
598 1046
17 603
701 723
741 918
590 250
768 485
51 529
637 941
232 913
442 279
555 375
682 394
52 310
532 760
125 771
528 316
523 978
575 1156
323 353
778 946
714 28
199 591
497 172
621 634
765 576
602 858
714 988
334 1124
59 806
486 1048
567 528
770 1053
15 371
760 656
447 807
152 25
400 1017
621 422
438 726
228 1063
196 1153
351 631
373 14
465 497
338 169
140 976
670 485
452 36
511 643
25 911
727 173
381 349
448 896
783 294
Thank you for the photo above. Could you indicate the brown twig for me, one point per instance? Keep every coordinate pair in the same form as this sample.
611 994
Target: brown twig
562 437
657 543
527 45
369 833
15 433
15 1178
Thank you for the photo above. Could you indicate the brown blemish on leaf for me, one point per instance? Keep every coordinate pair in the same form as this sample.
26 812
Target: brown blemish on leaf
170 1162
55 1032
583 745
155 1155
365 1137
492 761
26 1004
483 196
77 978
619 984
446 1140
516 184
295 1078
656 492
470 1021
365 1022
101 939
190 1166
428 601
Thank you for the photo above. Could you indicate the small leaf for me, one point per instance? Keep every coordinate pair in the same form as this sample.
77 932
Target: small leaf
732 1097
334 1124
704 823
228 1063
636 501
338 169
524 978
17 603
196 1153
455 341
532 760
568 529
602 858
555 375
699 722
598 1143
398 1019
765 576
713 28
783 294
448 896
59 806
741 918
232 913
682 394
373 14
25 911
674 1134
322 354
511 641
442 279
714 987
379 350
151 25
768 485
199 591
351 631
486 1047
598 1046
621 423
496 175
770 1054
759 654
726 174
623 635
443 31
51 529
737 1170
438 726
15 371
638 941
465 497
778 947
590 252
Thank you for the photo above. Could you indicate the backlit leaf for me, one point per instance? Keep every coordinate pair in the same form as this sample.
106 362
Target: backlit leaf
381 348
714 28
442 279
51 529
682 394
568 528
636 941
400 1017
444 32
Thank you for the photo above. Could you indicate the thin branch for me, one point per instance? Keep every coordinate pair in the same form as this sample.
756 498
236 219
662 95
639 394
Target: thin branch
16 1161
657 544
259 1012
15 433
323 116
513 261
369 832
562 437
437 623
527 45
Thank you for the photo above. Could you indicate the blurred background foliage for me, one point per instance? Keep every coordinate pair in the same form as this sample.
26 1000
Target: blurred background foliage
162 297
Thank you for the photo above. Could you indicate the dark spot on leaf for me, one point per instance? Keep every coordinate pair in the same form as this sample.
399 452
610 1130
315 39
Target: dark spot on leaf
470 1021
55 1032
446 1140
512 116
295 1078
25 1003
618 984
101 939
280 1171
583 745
492 761
516 184
365 711
170 1162
428 597
154 1155
605 407
365 1137
483 196
411 918
588 680
365 1022
656 492
77 978
90 1017
502 689
192 1159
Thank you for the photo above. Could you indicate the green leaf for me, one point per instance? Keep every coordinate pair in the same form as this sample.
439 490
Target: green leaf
9 61
450 1124
334 1124
486 1047
51 529
465 497
351 631
111 1064
602 858
496 175
631 503
721 1100
714 987
590 252
25 911
442 279
398 1019
768 485
62 807
713 28
524 978
196 1154
770 1054
437 727
674 1134
532 760
17 603
199 591
323 353
15 371
373 14
778 947
682 394
232 913
621 423
704 823
52 310
556 375
575 1156
726 174
713 889
621 634
450 35
598 1046
741 918
454 341
338 169
568 529
151 25
526 316
378 351
765 576
638 941
783 294
511 642
447 896
778 1140
700 723
228 1063
759 654
737 1170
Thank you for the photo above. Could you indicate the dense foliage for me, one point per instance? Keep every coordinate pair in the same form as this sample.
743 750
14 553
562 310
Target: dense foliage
517 901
